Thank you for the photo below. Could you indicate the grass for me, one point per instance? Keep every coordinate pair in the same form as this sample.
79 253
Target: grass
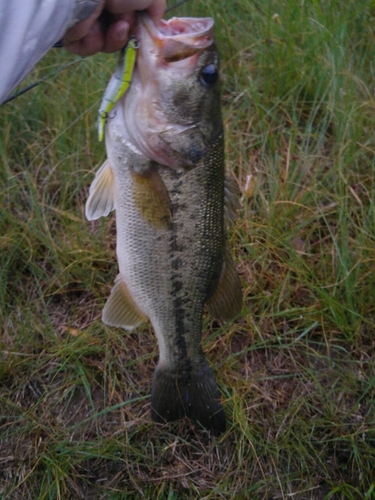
296 369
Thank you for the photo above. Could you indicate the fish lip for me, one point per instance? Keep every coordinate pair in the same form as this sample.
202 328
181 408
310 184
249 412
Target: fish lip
197 32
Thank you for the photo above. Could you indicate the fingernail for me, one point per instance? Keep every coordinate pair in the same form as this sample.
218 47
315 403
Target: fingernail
95 29
122 30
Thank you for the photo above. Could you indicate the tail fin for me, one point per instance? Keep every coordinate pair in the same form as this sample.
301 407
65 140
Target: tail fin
194 394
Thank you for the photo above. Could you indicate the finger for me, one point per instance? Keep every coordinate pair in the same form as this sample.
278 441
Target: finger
116 36
157 10
83 28
92 43
119 6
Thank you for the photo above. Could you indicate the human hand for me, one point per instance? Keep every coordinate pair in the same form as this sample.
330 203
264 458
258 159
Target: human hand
155 8
88 36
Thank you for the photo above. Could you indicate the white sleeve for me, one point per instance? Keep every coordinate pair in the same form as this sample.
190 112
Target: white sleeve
28 29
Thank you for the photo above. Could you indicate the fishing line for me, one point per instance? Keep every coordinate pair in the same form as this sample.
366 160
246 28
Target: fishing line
76 120
175 5
47 77
54 73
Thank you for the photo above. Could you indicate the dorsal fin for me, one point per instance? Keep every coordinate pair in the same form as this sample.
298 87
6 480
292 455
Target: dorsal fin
231 201
226 301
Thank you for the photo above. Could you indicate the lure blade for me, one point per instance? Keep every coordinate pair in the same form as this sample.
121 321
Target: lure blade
119 83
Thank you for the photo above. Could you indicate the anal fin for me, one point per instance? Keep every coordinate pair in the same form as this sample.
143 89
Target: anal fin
226 301
101 200
120 309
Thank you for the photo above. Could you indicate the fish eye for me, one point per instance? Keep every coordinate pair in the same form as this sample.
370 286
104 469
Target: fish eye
209 74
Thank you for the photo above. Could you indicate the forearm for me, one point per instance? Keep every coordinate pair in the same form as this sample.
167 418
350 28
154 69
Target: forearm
28 29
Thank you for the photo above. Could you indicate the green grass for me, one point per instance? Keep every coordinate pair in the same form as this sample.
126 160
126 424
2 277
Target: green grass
296 369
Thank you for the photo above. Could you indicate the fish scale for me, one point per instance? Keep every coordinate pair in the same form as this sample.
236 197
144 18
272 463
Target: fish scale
196 241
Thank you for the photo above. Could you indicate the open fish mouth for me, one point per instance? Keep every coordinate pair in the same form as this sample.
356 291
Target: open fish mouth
198 30
179 38
186 26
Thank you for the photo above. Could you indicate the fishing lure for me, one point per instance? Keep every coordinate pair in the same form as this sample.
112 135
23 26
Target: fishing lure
119 83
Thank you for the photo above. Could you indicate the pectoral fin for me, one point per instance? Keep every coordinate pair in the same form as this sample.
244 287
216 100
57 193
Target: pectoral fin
226 301
152 198
120 309
101 200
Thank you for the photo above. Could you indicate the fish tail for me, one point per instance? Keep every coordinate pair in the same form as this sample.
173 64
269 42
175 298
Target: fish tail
192 394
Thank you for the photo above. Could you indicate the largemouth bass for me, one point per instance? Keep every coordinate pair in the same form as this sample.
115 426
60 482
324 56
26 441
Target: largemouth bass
164 176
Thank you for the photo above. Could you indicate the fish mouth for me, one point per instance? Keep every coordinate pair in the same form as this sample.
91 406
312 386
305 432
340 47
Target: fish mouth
178 38
168 51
